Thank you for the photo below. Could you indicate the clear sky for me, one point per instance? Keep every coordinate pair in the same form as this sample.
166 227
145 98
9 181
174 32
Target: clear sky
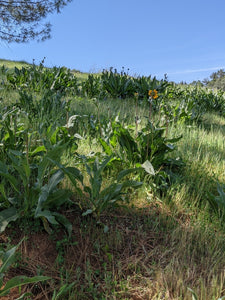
183 38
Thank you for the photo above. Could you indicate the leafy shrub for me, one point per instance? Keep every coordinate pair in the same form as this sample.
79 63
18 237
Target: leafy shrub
101 198
39 79
30 190
91 87
117 85
143 84
150 144
29 180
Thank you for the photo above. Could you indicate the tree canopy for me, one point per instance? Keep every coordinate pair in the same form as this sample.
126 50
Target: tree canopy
217 80
20 20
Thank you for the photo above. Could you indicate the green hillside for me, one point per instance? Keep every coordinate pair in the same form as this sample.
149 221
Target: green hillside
111 186
10 64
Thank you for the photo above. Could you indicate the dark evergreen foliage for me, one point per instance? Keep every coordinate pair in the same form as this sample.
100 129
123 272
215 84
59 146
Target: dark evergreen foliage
20 19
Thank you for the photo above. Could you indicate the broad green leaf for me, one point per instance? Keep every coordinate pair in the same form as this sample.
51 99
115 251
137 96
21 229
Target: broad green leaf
3 167
2 191
194 296
101 167
48 215
38 150
64 221
73 173
57 198
62 291
23 169
6 216
76 135
12 180
170 146
56 178
106 228
106 147
148 167
7 259
132 183
16 153
126 172
52 156
20 281
221 191
46 225
42 198
87 212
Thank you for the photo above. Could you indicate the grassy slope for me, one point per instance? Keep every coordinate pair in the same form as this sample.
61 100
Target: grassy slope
157 247
13 64
19 64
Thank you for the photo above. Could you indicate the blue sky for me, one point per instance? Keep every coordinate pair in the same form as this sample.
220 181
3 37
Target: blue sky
185 39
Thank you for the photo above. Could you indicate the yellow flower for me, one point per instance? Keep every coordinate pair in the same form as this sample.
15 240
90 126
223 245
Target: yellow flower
153 94
135 95
150 93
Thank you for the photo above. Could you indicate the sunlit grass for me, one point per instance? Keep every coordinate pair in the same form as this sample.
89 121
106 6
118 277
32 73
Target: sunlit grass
12 64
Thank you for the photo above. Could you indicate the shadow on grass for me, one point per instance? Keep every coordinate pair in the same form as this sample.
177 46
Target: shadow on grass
148 253
213 122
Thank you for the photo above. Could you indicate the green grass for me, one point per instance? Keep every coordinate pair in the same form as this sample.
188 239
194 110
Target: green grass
190 250
158 245
12 64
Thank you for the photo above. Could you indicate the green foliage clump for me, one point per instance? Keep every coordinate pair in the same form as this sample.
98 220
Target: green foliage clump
40 79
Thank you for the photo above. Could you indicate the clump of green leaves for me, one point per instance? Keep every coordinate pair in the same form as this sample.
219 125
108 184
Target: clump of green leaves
117 85
29 187
150 144
102 198
7 259
39 79
30 190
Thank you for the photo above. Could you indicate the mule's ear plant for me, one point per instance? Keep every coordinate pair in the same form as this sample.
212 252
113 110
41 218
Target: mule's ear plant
101 198
31 189
7 259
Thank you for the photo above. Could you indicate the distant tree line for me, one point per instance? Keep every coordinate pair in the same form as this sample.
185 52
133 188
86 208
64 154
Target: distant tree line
215 81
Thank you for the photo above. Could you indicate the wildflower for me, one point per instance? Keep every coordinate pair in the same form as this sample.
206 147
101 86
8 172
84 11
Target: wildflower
136 95
153 94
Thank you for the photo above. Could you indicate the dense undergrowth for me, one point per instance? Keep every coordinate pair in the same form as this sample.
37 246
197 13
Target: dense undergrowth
114 184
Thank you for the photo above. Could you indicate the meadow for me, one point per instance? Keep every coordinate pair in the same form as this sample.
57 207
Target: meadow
112 186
